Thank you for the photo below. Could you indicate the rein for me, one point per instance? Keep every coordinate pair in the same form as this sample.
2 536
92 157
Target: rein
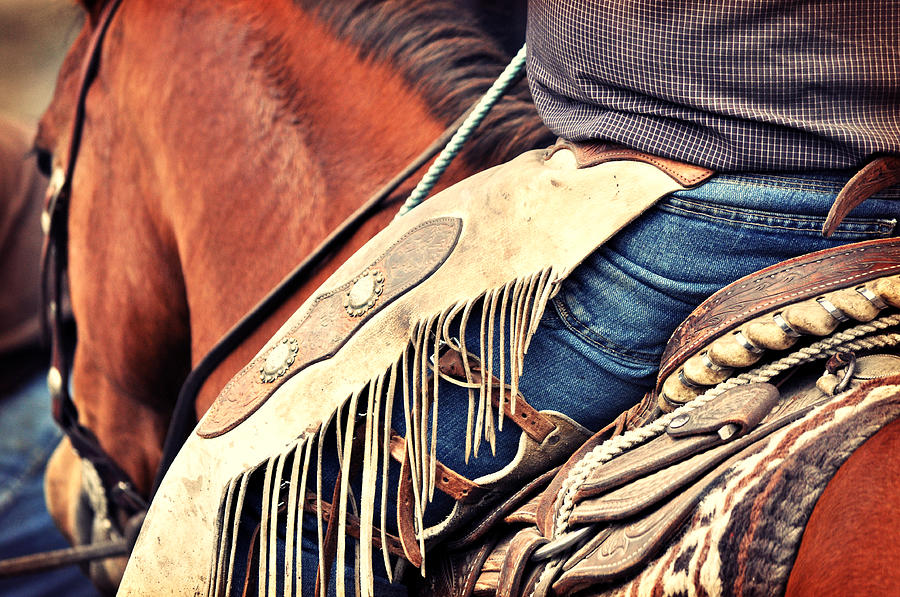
125 501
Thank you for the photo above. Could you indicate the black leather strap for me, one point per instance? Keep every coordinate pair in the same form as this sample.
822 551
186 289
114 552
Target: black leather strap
119 488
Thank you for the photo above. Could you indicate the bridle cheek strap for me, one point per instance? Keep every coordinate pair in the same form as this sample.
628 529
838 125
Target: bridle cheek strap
119 488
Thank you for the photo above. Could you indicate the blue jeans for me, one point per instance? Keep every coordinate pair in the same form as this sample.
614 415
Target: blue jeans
28 435
599 344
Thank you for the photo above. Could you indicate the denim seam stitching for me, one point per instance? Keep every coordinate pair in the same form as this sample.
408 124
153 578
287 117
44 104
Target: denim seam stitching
583 331
782 185
786 182
707 207
883 227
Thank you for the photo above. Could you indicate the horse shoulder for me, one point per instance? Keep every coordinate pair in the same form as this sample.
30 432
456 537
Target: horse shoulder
850 545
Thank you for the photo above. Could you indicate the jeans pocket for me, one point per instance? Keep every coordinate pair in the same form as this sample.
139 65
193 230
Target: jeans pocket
629 295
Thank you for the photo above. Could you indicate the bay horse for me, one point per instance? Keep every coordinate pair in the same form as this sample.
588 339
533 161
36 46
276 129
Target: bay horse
213 163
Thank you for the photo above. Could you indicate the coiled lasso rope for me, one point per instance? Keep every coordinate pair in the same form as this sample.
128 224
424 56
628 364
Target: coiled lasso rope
853 339
509 76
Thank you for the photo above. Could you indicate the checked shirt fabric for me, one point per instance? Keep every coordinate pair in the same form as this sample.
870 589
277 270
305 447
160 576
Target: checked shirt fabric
734 85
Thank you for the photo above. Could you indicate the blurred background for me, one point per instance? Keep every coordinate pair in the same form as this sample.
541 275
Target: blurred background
34 36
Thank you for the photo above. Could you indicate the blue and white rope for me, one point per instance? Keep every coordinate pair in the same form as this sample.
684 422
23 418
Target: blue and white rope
481 109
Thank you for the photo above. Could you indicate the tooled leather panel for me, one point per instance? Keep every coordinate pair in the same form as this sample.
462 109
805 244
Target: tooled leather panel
774 287
744 406
592 153
642 460
332 320
515 564
646 491
626 545
527 512
489 576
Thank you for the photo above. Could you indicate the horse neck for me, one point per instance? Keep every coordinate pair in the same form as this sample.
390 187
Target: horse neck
286 144
234 153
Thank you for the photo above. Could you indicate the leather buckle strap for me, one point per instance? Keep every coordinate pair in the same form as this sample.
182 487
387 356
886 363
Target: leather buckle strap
876 176
532 422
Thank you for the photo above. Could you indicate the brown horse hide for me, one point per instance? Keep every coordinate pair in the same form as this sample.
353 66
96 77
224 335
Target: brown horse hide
222 143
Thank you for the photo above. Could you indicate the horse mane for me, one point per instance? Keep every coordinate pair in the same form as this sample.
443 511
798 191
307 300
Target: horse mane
449 53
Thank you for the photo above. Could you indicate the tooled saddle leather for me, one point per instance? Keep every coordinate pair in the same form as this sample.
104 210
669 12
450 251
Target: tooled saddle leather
620 514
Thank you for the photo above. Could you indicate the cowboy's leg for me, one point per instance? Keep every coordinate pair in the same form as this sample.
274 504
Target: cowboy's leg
597 349
600 341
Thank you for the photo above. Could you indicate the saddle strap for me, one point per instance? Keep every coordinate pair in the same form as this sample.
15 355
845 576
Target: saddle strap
517 409
472 498
512 572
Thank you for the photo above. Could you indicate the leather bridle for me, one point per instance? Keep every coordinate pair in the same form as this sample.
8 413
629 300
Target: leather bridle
120 490
126 505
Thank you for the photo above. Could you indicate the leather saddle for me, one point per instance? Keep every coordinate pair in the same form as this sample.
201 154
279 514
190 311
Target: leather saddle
741 374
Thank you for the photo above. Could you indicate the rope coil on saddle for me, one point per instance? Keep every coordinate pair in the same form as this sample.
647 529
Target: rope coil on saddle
853 339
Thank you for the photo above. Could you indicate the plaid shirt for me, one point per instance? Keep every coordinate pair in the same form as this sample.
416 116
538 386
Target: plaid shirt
735 85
